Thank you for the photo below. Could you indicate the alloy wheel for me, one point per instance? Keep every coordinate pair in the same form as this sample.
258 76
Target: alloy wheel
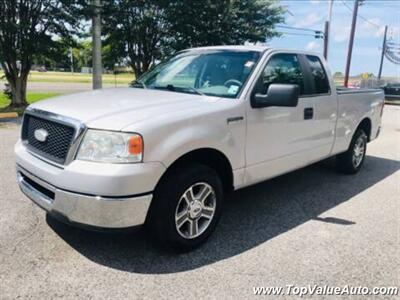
358 151
195 210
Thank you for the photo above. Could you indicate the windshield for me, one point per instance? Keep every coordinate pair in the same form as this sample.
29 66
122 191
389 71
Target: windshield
213 73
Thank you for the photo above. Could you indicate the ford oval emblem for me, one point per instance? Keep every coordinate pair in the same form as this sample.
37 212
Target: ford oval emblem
41 135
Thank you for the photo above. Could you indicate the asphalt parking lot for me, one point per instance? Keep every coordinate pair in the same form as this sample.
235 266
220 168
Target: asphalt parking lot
312 226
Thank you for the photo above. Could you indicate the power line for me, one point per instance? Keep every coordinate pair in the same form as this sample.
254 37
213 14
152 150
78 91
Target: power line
361 17
394 46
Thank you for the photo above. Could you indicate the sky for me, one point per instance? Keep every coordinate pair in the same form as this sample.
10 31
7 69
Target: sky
374 15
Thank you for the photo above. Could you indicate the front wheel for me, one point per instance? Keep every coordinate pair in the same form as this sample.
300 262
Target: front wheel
186 207
350 162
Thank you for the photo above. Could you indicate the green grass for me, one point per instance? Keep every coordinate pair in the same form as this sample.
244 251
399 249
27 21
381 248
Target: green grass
31 98
67 77
34 97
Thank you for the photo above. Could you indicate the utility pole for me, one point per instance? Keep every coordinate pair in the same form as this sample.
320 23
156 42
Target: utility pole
351 42
96 45
327 30
383 53
72 60
326 39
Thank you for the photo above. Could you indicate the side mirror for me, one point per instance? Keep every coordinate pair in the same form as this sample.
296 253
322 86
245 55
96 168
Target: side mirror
277 95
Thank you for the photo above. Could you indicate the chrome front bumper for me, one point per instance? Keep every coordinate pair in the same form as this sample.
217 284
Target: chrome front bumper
106 212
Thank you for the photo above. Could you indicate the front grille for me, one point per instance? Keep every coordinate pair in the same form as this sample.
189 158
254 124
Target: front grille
58 142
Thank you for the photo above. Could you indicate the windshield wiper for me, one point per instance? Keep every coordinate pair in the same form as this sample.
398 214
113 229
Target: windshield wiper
138 82
171 87
196 91
168 87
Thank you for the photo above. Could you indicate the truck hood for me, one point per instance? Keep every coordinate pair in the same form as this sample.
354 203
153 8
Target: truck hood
117 108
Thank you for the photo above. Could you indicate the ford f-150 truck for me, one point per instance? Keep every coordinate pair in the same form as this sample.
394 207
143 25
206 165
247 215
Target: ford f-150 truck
164 151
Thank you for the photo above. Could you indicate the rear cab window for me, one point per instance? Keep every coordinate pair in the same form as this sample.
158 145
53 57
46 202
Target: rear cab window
318 74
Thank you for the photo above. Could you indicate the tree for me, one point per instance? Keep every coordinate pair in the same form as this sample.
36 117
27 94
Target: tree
145 31
338 74
135 29
206 22
59 55
82 54
254 20
27 29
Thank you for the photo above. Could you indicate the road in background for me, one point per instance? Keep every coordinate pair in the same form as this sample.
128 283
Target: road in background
312 226
63 87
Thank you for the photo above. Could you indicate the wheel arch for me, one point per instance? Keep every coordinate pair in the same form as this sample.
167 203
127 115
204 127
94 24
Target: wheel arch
210 157
366 126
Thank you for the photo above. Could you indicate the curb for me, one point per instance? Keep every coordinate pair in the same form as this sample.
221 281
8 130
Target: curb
8 115
392 103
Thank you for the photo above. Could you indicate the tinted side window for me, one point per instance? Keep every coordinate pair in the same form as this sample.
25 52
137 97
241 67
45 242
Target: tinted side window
281 68
320 78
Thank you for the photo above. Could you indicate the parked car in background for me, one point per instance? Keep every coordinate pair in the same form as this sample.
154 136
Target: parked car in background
165 151
39 68
392 91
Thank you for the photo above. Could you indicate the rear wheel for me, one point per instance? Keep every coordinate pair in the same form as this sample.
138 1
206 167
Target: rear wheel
350 162
186 207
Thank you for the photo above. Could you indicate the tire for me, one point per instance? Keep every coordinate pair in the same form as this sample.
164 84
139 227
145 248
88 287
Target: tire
351 161
174 213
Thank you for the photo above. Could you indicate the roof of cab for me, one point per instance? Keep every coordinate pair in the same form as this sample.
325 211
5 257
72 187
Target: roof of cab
257 48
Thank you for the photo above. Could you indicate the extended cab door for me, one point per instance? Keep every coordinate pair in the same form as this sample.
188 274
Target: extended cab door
280 139
325 105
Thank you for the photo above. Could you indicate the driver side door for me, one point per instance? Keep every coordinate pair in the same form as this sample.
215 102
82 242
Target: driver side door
279 139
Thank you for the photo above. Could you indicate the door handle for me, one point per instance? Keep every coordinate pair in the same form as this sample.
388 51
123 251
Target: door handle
308 113
234 119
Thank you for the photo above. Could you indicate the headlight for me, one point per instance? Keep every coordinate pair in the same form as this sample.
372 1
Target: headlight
112 147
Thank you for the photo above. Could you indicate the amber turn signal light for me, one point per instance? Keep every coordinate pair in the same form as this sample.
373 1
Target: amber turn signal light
135 145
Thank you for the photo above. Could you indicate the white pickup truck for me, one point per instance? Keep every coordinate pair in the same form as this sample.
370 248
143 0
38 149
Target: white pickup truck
208 121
